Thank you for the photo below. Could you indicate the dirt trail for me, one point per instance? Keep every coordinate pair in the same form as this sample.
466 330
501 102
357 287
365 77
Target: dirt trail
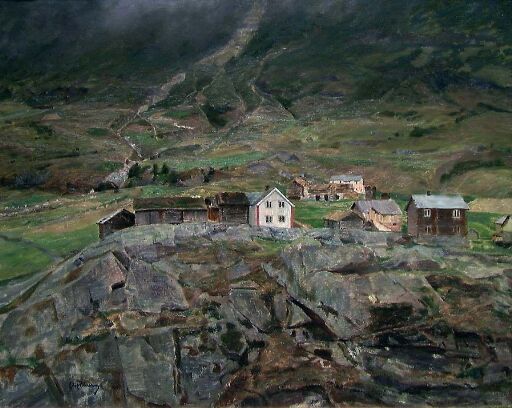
243 35
219 58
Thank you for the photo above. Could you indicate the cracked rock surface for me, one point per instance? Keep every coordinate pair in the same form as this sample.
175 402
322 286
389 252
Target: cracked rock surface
206 315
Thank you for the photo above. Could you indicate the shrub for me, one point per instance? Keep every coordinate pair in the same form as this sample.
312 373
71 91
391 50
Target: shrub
135 171
420 132
155 171
32 178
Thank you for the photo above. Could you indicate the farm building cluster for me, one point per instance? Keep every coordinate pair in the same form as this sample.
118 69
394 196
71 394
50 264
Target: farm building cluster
270 208
342 187
427 214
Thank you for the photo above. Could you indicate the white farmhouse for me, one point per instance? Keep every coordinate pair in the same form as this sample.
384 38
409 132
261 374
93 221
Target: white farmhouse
270 209
355 182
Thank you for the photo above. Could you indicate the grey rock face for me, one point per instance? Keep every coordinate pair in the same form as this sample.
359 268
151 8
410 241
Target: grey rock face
148 365
248 303
205 314
151 291
332 284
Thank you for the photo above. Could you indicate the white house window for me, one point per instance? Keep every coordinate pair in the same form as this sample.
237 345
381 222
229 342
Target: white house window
268 219
456 213
282 218
269 204
427 213
281 204
428 229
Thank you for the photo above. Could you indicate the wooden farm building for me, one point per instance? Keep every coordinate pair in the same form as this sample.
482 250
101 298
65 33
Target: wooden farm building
354 182
503 234
117 221
437 215
271 209
229 208
170 210
344 220
299 189
383 215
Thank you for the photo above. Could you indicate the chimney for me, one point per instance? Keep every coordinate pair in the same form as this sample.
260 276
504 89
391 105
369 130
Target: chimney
267 188
429 193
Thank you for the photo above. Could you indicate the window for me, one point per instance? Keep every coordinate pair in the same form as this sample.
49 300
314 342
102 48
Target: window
326 197
427 213
457 229
282 218
268 219
317 198
281 204
428 229
269 204
456 213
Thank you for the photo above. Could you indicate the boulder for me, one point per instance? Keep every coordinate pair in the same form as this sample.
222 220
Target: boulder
248 304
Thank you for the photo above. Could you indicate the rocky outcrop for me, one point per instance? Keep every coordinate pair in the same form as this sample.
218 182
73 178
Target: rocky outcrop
204 315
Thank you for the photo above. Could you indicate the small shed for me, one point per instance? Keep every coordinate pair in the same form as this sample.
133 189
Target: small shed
343 220
229 208
170 210
116 221
503 235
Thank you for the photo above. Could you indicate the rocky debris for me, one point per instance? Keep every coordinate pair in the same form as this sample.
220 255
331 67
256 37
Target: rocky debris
204 314
286 157
118 178
240 270
259 167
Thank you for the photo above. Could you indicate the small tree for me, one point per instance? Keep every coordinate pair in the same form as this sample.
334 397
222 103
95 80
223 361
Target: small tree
172 177
155 171
165 169
135 171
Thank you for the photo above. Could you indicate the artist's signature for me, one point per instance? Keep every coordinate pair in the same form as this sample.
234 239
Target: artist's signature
79 385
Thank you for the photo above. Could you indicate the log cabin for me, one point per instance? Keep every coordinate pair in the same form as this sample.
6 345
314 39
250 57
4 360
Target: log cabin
229 208
170 210
344 220
117 221
436 215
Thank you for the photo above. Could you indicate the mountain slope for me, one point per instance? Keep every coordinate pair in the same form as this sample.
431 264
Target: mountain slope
401 91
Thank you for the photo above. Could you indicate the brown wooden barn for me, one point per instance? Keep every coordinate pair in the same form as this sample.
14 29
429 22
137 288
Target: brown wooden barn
117 221
298 189
229 208
170 210
437 215
344 220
